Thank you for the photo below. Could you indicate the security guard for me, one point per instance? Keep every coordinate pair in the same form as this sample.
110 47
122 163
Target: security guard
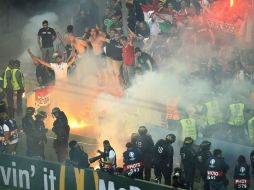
78 156
188 128
188 159
132 162
236 121
61 129
216 171
202 156
242 174
2 95
8 88
18 84
251 130
163 158
40 133
145 145
28 126
213 117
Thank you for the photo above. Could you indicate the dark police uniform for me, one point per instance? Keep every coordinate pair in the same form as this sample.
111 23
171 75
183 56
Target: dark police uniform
252 161
163 161
242 177
62 130
202 157
188 157
216 173
28 125
145 145
79 157
133 165
40 134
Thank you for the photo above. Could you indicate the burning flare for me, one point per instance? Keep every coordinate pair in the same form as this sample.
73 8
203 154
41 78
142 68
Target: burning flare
231 3
74 124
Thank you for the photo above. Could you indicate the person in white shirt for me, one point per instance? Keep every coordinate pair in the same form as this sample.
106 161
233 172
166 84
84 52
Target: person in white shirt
109 157
59 67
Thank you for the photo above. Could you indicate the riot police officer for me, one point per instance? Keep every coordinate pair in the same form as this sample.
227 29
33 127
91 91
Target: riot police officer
28 126
242 174
132 162
216 171
40 133
145 145
252 161
78 156
163 158
61 129
188 159
202 156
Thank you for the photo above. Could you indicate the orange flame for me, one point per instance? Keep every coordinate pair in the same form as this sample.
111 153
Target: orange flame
74 124
231 3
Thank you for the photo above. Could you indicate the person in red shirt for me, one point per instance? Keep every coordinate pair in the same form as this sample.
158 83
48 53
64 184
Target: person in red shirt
128 54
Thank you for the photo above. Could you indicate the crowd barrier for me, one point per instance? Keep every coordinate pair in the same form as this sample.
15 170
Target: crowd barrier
25 173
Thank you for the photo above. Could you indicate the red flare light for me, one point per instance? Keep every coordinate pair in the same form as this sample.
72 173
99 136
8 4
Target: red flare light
231 3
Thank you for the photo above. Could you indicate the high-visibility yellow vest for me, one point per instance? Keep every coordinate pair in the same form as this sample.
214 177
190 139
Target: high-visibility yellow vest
213 113
188 128
5 76
251 130
15 83
1 84
236 114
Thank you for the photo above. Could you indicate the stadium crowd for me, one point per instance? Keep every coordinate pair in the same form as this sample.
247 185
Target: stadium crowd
139 37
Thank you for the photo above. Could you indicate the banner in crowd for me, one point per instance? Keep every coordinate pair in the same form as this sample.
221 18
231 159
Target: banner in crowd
42 96
25 173
221 26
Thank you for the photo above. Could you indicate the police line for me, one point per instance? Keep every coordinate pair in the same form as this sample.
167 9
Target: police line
26 173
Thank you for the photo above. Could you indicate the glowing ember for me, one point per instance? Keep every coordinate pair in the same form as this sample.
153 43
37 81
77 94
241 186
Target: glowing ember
231 3
74 124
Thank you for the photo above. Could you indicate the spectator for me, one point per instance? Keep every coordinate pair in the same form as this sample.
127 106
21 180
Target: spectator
59 67
128 55
144 61
46 37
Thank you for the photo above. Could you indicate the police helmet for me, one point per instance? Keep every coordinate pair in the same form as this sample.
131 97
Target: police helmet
129 145
188 140
30 110
16 63
55 110
11 62
205 145
42 114
142 130
170 138
72 143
